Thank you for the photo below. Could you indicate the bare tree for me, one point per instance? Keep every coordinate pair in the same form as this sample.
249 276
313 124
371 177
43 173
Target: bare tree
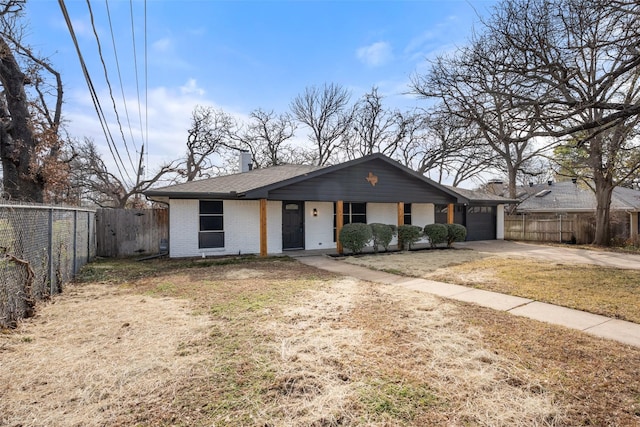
578 63
375 129
265 136
563 46
327 113
479 94
449 148
209 134
29 140
94 183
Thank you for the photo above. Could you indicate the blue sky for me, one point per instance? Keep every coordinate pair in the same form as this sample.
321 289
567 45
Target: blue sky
238 56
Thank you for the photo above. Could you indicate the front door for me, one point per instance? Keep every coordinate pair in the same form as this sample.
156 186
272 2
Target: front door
292 225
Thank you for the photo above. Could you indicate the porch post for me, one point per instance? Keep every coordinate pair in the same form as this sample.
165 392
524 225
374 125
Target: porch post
339 224
263 227
450 213
400 213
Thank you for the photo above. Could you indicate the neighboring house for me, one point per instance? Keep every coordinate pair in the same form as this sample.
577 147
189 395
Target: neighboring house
572 199
292 207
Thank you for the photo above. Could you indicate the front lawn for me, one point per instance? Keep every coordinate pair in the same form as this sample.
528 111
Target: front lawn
271 342
607 291
610 292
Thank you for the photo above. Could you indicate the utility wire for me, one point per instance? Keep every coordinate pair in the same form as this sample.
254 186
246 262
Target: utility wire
96 103
146 83
124 99
135 64
106 77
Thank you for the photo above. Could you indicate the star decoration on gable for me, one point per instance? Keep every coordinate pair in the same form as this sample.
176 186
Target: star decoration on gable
372 179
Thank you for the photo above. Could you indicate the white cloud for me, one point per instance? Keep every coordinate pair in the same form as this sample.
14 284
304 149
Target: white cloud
441 38
165 44
166 120
191 88
376 54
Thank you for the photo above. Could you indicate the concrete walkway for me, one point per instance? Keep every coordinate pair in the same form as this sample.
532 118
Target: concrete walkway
601 326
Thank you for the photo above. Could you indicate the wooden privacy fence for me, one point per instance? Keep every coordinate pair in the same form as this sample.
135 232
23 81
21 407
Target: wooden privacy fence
130 232
572 228
567 228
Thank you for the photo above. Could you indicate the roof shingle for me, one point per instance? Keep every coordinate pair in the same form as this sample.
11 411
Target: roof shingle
239 182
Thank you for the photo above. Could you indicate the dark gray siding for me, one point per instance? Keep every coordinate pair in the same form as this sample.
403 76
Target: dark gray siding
350 184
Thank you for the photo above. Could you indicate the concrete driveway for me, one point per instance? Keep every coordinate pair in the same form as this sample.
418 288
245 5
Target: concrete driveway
559 254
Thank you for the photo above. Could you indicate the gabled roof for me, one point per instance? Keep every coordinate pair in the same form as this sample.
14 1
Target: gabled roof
569 197
232 185
349 164
259 183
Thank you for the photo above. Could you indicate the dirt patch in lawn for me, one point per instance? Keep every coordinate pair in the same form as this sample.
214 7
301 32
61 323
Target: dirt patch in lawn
275 343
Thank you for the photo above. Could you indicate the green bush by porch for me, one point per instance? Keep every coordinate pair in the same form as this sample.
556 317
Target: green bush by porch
355 236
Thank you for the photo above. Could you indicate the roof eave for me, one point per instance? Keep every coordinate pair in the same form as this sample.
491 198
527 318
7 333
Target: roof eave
193 194
493 202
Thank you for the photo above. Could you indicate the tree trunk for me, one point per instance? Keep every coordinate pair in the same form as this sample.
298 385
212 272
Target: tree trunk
17 143
604 189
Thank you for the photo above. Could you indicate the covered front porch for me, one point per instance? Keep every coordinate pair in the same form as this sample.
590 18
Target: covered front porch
306 225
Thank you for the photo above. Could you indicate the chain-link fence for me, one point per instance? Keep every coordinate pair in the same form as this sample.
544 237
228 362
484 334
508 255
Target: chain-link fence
41 249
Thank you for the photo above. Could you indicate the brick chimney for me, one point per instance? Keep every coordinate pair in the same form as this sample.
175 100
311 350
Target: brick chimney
495 186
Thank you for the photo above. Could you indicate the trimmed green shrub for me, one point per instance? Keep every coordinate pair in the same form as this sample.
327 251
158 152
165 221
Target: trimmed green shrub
355 236
437 233
382 235
456 233
408 235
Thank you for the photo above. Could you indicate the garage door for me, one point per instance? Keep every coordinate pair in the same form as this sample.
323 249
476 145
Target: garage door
481 223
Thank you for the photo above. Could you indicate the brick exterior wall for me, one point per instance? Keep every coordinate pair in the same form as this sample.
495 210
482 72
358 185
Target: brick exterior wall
241 228
242 225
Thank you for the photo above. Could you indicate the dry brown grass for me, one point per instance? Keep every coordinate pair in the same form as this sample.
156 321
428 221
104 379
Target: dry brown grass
600 290
277 343
607 291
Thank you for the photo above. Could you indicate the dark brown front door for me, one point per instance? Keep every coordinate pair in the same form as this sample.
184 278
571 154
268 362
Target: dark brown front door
292 225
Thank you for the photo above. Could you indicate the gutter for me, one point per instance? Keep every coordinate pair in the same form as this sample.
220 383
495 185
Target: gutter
194 195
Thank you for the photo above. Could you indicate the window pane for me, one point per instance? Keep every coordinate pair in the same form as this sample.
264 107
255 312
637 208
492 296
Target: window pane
211 223
211 240
358 219
210 207
358 208
407 208
407 219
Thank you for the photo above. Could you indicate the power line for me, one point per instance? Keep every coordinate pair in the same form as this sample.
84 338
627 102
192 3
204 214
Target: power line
146 83
135 64
124 99
96 103
106 77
